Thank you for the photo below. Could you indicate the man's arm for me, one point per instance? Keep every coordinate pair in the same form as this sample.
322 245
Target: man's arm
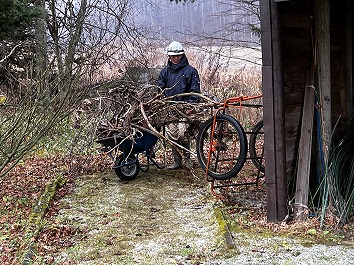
195 86
161 82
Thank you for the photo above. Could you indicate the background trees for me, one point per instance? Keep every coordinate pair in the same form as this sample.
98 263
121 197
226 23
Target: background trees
203 22
16 17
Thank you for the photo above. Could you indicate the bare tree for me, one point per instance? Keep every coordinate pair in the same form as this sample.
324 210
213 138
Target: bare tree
82 36
93 34
40 39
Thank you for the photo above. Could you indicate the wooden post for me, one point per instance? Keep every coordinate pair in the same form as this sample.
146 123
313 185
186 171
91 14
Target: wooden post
273 114
349 60
322 23
304 154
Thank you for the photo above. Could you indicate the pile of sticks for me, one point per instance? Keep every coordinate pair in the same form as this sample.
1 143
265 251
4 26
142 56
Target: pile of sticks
128 107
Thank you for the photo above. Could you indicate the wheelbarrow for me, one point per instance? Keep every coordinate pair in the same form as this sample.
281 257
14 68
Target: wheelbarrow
125 154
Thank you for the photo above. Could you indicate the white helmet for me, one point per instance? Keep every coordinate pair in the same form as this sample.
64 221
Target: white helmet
175 48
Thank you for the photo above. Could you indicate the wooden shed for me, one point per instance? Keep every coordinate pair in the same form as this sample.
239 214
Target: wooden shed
307 53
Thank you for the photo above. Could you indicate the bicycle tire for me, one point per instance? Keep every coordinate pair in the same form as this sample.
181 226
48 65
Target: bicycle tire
228 149
256 146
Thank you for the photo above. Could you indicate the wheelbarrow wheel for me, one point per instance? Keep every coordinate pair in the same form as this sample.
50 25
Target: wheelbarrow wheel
127 169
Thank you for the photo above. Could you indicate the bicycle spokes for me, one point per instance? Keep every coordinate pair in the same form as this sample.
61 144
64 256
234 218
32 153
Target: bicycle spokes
223 150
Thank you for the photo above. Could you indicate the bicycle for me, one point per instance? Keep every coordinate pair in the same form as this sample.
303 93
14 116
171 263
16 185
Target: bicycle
222 143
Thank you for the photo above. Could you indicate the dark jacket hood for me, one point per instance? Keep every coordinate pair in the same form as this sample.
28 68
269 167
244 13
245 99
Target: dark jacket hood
175 67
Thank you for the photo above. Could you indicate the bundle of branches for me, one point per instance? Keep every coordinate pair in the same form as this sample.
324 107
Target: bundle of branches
128 107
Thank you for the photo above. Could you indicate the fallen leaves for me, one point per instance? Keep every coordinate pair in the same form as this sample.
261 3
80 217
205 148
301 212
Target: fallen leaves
56 237
22 187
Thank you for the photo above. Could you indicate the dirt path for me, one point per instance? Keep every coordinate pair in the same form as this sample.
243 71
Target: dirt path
170 219
155 219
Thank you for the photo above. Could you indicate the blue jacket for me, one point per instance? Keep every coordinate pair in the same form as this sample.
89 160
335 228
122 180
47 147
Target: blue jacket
179 78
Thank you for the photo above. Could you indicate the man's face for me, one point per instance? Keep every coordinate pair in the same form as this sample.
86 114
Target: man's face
175 59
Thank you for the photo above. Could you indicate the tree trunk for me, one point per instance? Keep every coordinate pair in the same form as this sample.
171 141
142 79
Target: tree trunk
41 44
75 37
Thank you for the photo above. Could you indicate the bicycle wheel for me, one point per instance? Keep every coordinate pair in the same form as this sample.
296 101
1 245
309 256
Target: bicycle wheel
228 147
256 146
127 169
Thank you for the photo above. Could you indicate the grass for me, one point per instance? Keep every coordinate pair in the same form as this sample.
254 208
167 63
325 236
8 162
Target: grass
64 139
337 186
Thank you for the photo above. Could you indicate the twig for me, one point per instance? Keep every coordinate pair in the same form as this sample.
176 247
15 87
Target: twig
11 52
157 134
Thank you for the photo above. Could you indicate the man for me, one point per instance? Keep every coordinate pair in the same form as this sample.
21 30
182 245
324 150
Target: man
176 78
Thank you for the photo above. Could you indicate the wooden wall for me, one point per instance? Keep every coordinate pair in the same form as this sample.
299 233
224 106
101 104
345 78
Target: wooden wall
341 65
288 38
297 55
296 21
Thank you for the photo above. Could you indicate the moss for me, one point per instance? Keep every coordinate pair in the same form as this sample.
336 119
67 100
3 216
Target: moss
34 222
224 228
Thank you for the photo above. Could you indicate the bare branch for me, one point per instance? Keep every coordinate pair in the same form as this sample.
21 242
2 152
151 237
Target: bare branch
10 53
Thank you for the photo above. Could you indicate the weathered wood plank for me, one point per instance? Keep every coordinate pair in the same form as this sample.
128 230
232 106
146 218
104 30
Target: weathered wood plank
278 112
304 153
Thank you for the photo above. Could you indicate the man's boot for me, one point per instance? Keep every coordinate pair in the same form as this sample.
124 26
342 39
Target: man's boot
189 163
177 159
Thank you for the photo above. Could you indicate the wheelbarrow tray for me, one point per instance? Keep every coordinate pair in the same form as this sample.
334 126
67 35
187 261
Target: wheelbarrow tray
130 146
